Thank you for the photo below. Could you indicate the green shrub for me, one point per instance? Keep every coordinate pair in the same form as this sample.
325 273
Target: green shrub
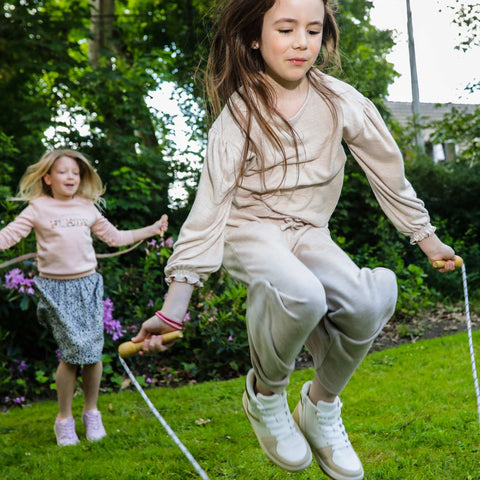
215 343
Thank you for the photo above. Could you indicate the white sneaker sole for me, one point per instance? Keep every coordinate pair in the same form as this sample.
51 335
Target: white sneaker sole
334 475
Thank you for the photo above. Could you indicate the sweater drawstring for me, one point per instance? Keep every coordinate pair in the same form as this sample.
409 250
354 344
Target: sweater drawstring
292 222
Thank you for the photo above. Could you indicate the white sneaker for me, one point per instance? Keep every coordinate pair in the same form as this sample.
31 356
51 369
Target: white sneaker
323 428
272 422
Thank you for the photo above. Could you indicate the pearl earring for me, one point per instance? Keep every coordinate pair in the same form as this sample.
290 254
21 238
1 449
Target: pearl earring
255 45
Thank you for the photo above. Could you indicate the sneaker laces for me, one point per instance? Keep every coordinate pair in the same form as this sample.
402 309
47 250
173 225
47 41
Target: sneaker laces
333 429
92 420
277 418
66 429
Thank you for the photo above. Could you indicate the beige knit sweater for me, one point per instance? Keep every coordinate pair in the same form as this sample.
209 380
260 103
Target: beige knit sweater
312 187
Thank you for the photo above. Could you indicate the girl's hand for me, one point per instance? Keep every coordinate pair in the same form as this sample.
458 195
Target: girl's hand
151 335
175 306
160 226
436 250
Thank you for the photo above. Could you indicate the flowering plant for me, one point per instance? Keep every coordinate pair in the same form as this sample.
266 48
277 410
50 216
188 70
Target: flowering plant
111 326
15 280
214 343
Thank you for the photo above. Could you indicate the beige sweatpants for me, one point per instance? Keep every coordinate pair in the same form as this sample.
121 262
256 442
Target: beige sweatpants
305 290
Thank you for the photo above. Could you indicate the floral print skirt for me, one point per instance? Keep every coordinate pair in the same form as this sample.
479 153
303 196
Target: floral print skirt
73 310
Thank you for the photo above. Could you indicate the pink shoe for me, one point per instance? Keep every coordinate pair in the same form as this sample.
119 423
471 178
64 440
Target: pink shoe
65 432
93 425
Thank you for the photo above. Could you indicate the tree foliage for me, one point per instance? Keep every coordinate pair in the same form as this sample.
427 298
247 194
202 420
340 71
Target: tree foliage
467 18
363 51
65 62
463 129
56 74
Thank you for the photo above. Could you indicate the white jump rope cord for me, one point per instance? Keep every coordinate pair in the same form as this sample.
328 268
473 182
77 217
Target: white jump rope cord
199 469
165 425
470 341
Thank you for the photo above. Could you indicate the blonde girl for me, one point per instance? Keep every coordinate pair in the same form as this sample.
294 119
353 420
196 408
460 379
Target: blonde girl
63 192
272 177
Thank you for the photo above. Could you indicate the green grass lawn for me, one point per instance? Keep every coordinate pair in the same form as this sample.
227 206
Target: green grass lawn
410 412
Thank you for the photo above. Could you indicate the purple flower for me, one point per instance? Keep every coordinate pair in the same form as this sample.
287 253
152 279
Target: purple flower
58 354
132 328
22 365
152 243
186 318
18 400
150 303
15 279
112 326
230 338
169 242
149 380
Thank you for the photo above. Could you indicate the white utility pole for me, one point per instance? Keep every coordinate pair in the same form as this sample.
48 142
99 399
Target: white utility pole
414 79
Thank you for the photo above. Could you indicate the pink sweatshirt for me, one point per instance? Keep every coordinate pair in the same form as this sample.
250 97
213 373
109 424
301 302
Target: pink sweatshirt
63 230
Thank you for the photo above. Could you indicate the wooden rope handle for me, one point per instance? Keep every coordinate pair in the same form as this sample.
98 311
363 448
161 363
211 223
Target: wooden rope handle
441 263
130 349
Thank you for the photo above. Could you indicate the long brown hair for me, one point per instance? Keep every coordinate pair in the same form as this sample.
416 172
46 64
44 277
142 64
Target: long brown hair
234 67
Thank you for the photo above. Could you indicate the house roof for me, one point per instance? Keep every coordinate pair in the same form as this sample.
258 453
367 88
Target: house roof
403 114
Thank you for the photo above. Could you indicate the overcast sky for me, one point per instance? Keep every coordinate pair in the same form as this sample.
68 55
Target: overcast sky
443 71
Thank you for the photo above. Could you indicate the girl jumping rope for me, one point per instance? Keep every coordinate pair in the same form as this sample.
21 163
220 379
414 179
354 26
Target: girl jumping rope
272 177
63 191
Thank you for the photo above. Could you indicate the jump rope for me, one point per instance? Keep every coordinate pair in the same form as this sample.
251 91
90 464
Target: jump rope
129 349
459 262
33 255
470 341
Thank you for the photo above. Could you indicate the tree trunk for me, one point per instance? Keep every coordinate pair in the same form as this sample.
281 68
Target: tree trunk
101 27
102 30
